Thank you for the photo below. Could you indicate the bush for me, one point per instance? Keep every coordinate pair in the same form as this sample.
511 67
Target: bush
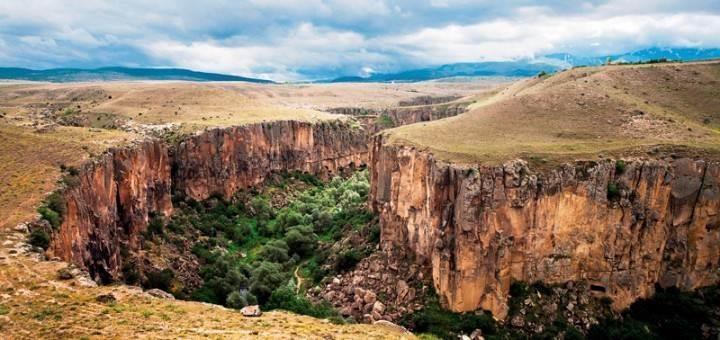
385 121
347 260
156 225
445 324
160 279
285 298
266 277
39 238
301 240
620 166
275 251
613 192
51 216
236 300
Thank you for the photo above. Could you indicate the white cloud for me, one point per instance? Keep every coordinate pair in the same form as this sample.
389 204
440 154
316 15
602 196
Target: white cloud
291 39
505 39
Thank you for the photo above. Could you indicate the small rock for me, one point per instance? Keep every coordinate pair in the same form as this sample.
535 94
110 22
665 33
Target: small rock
378 307
64 274
105 298
85 282
370 297
22 228
477 335
252 311
390 325
336 281
158 293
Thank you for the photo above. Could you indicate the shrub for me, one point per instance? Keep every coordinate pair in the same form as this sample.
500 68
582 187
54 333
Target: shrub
446 324
274 251
51 216
385 121
301 240
156 225
347 260
613 192
160 279
285 298
236 300
39 238
266 277
620 166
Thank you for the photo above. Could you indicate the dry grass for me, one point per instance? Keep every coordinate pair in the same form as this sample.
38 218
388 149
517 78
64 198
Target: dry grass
30 164
583 113
35 304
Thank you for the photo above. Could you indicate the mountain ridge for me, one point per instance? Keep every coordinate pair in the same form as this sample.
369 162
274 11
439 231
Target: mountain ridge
64 75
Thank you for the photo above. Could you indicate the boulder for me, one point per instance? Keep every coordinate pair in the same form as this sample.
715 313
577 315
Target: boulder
251 311
158 293
106 298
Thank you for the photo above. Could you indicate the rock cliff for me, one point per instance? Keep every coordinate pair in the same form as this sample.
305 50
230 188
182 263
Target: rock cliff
115 196
110 206
621 226
223 161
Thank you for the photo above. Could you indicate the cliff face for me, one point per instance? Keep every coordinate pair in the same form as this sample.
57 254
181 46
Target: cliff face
403 115
112 203
481 229
223 161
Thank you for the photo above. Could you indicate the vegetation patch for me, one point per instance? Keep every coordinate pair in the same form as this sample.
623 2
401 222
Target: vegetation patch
253 249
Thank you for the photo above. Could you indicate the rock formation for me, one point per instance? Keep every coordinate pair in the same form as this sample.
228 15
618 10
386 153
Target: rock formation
223 161
113 200
623 229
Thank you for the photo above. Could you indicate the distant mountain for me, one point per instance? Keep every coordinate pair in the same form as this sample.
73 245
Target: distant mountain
481 69
677 54
530 67
62 75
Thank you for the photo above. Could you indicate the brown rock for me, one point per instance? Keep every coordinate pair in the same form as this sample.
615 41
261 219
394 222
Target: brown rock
553 226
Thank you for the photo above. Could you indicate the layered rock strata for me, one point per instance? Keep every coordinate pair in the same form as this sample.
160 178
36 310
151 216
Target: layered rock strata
622 227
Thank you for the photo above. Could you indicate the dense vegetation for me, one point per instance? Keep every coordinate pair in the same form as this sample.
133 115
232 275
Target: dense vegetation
252 248
669 314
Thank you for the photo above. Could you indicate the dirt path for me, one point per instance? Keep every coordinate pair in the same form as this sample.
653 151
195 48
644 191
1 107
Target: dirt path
299 280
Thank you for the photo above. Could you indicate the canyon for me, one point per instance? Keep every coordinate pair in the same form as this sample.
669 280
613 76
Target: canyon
578 177
115 196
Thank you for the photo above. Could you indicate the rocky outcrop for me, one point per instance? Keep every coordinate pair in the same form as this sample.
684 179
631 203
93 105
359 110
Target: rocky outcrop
116 195
223 161
621 228
384 286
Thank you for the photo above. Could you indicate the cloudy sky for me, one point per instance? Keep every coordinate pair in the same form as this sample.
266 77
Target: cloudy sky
310 39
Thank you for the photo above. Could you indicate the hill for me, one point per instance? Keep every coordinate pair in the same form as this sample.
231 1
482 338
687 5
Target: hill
584 113
64 75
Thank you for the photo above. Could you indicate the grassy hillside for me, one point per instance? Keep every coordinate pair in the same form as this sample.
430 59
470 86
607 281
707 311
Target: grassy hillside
584 113
35 303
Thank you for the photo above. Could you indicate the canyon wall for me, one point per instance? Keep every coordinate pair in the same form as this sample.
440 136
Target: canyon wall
110 204
115 196
478 229
403 115
223 161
